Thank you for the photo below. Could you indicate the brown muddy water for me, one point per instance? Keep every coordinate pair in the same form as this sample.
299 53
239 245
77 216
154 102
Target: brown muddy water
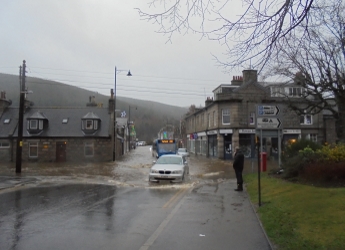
130 170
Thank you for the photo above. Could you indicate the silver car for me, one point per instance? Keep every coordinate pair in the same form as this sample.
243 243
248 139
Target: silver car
182 151
169 167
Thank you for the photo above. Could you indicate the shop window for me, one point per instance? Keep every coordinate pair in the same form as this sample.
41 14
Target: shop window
33 149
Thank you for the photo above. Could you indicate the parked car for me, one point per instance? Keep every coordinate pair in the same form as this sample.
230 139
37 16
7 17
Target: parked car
182 151
169 167
141 143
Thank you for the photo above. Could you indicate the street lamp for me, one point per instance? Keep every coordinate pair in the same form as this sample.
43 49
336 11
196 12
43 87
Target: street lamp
114 137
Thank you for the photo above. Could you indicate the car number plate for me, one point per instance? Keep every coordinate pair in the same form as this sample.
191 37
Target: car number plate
164 176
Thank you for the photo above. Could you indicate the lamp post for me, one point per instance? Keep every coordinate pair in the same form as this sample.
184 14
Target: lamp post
114 137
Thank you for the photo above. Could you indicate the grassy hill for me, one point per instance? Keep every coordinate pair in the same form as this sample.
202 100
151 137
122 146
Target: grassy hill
149 117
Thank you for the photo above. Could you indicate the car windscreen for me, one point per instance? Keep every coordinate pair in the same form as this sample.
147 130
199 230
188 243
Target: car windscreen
169 160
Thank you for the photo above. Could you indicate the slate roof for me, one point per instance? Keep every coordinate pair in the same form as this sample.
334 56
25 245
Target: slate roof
56 128
7 129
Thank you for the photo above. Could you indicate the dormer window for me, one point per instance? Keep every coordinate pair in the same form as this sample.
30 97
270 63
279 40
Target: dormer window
7 121
65 121
90 123
35 123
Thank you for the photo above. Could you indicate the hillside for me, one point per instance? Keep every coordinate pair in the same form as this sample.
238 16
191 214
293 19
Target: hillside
149 117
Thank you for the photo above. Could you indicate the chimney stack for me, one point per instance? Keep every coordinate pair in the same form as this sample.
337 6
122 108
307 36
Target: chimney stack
250 75
237 80
208 101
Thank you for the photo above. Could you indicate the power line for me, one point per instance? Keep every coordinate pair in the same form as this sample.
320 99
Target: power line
106 73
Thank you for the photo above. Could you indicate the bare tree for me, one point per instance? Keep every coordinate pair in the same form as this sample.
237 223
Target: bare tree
250 37
317 62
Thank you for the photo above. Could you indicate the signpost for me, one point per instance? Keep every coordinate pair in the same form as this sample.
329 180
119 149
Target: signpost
267 110
268 118
268 123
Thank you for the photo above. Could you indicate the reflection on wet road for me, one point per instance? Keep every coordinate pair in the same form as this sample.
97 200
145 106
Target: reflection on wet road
94 206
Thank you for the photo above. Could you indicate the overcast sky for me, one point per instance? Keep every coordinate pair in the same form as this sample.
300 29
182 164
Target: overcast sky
81 42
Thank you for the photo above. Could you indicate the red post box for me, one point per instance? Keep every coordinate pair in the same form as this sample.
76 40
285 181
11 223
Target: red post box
263 162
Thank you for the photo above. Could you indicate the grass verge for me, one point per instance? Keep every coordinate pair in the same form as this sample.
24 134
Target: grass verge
298 216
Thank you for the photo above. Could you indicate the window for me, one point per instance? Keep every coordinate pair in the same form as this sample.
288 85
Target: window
33 124
89 124
214 119
88 149
312 137
306 119
65 121
277 91
4 144
252 118
33 149
7 121
225 116
209 120
295 92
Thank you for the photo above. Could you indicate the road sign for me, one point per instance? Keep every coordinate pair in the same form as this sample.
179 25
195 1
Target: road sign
268 110
268 123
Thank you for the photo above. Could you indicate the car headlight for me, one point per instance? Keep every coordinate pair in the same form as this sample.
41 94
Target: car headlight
176 172
154 171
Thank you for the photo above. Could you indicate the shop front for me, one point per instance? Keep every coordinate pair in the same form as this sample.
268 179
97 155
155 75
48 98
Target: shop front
212 143
227 137
247 142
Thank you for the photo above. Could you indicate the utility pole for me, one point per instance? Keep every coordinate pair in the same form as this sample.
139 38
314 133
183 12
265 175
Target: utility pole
21 119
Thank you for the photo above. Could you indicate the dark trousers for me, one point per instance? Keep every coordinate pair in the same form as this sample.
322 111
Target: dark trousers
239 176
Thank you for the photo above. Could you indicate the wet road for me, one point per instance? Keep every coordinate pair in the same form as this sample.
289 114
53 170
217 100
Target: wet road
112 206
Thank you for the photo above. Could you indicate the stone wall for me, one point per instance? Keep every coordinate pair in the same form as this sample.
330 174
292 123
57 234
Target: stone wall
74 150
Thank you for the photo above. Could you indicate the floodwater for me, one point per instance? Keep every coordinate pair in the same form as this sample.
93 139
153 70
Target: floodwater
129 170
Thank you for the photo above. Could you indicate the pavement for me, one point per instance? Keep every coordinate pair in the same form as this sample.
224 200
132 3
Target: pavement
15 181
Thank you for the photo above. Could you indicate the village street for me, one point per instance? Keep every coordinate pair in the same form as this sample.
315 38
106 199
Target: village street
112 206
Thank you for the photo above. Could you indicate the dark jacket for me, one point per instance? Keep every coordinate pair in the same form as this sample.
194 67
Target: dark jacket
238 161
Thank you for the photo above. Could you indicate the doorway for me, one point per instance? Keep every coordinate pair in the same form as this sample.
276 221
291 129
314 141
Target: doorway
60 151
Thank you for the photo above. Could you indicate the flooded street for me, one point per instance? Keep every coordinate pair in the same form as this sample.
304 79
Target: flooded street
129 170
113 206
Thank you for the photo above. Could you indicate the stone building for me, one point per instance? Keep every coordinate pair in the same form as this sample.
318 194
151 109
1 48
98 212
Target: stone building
241 112
62 134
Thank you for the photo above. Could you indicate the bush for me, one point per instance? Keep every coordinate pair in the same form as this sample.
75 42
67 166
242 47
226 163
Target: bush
293 149
293 167
326 173
332 153
321 164
298 155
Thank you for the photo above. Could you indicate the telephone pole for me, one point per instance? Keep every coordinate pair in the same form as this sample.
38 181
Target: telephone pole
21 118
